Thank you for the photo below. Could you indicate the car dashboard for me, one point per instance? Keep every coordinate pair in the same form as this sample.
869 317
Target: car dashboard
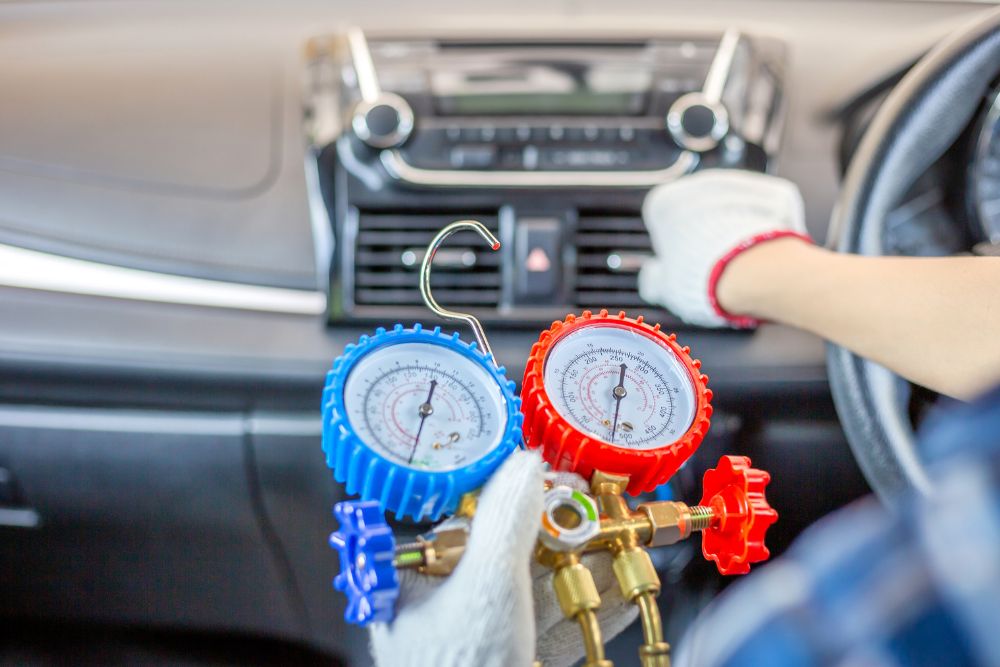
201 207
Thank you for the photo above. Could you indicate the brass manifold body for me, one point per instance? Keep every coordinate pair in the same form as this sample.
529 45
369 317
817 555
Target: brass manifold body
620 530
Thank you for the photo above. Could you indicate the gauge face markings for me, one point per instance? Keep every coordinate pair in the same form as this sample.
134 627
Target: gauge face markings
429 408
587 411
453 396
620 386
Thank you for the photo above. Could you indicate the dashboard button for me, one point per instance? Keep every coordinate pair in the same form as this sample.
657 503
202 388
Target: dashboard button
505 134
537 253
584 158
540 133
473 157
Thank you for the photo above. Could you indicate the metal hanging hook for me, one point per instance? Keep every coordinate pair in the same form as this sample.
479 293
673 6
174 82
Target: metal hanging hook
425 278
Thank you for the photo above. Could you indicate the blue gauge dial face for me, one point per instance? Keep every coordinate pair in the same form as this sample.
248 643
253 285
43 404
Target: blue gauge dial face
425 406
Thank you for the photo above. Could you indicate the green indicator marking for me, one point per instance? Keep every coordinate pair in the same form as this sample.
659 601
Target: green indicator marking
408 559
587 505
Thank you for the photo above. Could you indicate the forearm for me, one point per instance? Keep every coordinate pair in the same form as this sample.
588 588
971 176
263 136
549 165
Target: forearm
935 321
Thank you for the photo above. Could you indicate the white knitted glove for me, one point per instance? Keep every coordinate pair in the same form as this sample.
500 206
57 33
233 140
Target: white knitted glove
482 614
699 223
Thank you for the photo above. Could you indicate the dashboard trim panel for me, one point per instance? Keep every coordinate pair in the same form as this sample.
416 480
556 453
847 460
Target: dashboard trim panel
402 170
31 269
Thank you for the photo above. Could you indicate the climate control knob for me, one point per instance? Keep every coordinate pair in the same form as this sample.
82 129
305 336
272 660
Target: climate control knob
697 123
383 122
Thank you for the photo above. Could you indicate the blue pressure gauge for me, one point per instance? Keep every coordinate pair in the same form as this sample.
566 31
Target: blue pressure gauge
414 419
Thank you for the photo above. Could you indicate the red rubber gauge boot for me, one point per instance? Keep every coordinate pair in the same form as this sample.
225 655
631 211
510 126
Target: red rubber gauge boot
612 393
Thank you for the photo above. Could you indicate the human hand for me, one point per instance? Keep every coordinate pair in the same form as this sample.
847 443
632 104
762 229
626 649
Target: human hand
483 613
699 224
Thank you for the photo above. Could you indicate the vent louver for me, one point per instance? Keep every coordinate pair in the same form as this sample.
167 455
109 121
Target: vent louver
610 250
390 247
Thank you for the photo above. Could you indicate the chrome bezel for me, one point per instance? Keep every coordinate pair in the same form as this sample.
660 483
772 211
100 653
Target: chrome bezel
700 144
359 121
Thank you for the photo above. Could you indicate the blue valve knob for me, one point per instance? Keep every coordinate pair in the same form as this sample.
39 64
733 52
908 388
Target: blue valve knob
367 549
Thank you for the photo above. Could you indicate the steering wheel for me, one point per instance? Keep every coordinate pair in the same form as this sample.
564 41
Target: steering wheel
916 124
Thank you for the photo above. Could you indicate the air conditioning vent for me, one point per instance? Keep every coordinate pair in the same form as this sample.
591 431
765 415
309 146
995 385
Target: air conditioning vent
389 248
610 250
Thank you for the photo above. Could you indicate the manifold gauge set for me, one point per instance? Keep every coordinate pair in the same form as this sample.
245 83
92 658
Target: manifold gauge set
416 420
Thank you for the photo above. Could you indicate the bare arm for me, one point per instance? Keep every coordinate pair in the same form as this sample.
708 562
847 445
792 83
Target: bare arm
935 321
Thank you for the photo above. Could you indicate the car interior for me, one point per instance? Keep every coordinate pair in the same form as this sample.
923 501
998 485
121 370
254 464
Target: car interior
203 204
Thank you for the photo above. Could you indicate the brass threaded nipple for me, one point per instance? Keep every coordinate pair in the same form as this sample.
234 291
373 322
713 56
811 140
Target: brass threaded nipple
701 518
409 555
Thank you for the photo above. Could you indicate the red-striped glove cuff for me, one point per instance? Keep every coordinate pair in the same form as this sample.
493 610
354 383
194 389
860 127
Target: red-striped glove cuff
742 321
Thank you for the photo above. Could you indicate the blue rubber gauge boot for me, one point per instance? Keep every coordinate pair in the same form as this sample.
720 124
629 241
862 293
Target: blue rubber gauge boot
414 419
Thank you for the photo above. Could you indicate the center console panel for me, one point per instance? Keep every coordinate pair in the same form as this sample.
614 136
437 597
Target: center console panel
551 144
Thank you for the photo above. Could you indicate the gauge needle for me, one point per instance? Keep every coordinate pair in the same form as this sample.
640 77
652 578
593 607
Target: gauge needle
619 393
425 410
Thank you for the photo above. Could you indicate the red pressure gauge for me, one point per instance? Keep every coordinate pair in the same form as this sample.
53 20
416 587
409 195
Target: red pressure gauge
612 393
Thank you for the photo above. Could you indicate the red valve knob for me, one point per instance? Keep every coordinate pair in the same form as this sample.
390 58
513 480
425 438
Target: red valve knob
740 515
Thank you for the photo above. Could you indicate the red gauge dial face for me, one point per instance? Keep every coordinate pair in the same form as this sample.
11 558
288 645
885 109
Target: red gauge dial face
621 386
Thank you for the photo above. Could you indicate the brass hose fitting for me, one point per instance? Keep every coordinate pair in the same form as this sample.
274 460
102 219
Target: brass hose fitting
436 554
626 531
671 522
654 652
467 505
640 585
578 598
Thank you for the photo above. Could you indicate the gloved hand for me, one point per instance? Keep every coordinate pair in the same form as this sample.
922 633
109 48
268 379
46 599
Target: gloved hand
482 614
699 223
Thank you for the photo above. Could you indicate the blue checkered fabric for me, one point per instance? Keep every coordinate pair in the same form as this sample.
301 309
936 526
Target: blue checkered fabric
865 587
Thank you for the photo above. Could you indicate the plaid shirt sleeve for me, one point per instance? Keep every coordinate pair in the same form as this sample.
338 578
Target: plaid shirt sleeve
868 588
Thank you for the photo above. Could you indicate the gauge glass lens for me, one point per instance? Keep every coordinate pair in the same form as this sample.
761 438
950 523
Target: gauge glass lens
425 406
620 386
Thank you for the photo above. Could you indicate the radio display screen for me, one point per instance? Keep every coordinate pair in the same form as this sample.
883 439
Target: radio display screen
561 104
540 89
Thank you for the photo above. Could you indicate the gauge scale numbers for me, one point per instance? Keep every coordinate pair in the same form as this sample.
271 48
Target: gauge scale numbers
425 406
622 387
